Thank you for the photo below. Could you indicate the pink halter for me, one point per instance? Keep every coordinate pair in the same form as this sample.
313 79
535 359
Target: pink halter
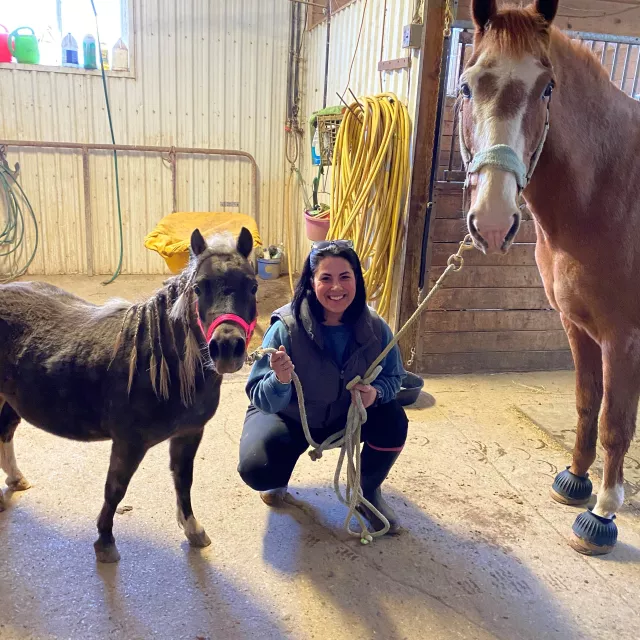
226 317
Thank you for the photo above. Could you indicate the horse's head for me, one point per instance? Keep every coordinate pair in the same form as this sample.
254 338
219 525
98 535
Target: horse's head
225 288
505 92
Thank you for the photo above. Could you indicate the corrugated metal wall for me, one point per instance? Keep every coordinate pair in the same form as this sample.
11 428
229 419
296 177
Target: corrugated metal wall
207 74
381 39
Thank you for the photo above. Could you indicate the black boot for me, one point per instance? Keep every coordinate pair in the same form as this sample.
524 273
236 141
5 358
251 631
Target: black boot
375 466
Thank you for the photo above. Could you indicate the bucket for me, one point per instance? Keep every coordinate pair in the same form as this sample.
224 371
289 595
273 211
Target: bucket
269 269
5 54
317 228
24 47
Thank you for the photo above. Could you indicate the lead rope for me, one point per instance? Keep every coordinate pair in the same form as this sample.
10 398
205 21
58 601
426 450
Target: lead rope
348 439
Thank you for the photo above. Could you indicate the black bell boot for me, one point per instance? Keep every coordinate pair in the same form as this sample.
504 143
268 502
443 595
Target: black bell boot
374 467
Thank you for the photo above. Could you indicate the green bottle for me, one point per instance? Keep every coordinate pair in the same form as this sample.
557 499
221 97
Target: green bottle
89 52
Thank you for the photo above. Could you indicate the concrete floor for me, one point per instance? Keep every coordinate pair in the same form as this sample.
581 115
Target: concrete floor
484 554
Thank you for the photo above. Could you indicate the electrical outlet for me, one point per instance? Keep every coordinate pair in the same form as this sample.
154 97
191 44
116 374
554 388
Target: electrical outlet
412 36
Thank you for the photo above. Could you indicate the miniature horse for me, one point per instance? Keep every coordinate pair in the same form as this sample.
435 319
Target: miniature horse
584 196
134 374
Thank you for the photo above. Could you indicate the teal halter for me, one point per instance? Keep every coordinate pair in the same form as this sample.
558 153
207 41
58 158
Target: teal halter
502 156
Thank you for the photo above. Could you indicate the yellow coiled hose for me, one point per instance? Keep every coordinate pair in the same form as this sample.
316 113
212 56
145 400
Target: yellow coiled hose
369 184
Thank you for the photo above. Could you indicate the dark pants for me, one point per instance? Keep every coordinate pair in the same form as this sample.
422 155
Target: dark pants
271 444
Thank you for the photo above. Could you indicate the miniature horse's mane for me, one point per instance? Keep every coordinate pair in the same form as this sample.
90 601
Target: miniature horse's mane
163 329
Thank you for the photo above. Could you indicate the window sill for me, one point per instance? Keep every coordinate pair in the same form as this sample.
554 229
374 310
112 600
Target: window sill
78 71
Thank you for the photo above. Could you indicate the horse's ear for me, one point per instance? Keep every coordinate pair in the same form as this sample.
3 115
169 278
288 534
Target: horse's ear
482 12
245 242
547 9
198 243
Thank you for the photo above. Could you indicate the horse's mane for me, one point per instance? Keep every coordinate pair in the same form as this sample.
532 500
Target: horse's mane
164 329
515 31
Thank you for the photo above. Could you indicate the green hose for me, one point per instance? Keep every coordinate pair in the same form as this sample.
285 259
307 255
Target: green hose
12 236
115 154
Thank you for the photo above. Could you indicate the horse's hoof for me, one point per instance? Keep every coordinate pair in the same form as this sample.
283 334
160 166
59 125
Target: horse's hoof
571 489
199 539
19 484
593 535
106 554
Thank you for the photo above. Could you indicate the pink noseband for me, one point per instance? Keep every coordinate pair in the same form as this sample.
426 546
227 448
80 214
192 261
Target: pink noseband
226 317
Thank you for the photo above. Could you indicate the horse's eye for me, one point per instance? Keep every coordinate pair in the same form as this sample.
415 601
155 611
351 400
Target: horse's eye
549 89
196 289
254 289
465 90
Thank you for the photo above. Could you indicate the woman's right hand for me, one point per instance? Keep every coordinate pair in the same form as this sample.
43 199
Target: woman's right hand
282 366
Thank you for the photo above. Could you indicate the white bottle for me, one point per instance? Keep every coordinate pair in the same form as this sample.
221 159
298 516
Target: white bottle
120 56
69 51
49 49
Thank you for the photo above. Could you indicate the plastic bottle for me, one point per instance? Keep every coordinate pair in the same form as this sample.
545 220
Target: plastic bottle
104 52
120 56
49 48
69 51
315 147
89 52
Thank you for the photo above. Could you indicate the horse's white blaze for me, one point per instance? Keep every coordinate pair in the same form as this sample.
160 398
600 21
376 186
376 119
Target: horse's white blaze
8 462
609 501
496 191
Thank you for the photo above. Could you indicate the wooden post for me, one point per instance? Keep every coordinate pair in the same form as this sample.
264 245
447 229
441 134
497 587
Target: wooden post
424 140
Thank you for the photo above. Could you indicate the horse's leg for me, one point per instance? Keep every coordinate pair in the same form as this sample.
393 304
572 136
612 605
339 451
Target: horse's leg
594 532
183 452
9 421
572 486
125 458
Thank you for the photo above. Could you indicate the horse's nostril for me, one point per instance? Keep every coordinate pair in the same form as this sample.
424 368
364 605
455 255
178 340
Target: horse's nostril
214 350
473 230
513 230
238 349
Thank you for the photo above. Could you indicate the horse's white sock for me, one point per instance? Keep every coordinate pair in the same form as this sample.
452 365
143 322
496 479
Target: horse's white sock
9 463
609 501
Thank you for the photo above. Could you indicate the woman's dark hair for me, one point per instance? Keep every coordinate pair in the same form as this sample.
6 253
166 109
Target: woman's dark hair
304 286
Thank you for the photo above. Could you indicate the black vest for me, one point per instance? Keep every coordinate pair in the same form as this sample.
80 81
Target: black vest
323 380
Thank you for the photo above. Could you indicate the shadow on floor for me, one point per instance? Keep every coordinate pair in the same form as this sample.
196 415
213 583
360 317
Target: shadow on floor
59 591
427 572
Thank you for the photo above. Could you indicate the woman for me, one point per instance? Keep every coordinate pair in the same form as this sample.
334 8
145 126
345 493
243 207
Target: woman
329 335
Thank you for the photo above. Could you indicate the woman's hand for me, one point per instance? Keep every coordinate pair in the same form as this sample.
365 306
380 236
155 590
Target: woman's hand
367 393
282 366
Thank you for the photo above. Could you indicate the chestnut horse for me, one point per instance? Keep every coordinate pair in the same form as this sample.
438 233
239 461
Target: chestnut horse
539 118
133 374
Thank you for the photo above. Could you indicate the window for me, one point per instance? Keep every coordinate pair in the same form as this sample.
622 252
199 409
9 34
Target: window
52 20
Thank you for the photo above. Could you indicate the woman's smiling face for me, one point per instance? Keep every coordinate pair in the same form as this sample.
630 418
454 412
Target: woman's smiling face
334 284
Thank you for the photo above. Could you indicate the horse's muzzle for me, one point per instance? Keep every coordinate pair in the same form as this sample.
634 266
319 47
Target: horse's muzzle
493 238
227 348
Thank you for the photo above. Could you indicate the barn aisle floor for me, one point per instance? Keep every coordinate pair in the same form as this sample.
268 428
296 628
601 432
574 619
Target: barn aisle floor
484 553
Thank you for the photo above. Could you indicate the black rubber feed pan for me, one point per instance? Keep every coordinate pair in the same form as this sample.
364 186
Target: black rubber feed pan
410 390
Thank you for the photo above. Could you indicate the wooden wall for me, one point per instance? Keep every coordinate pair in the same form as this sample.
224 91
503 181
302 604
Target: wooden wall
317 13
493 315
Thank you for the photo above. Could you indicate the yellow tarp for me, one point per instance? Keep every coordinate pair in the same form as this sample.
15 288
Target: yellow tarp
172 234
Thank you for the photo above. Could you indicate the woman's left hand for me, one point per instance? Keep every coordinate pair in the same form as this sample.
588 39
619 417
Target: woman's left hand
367 393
